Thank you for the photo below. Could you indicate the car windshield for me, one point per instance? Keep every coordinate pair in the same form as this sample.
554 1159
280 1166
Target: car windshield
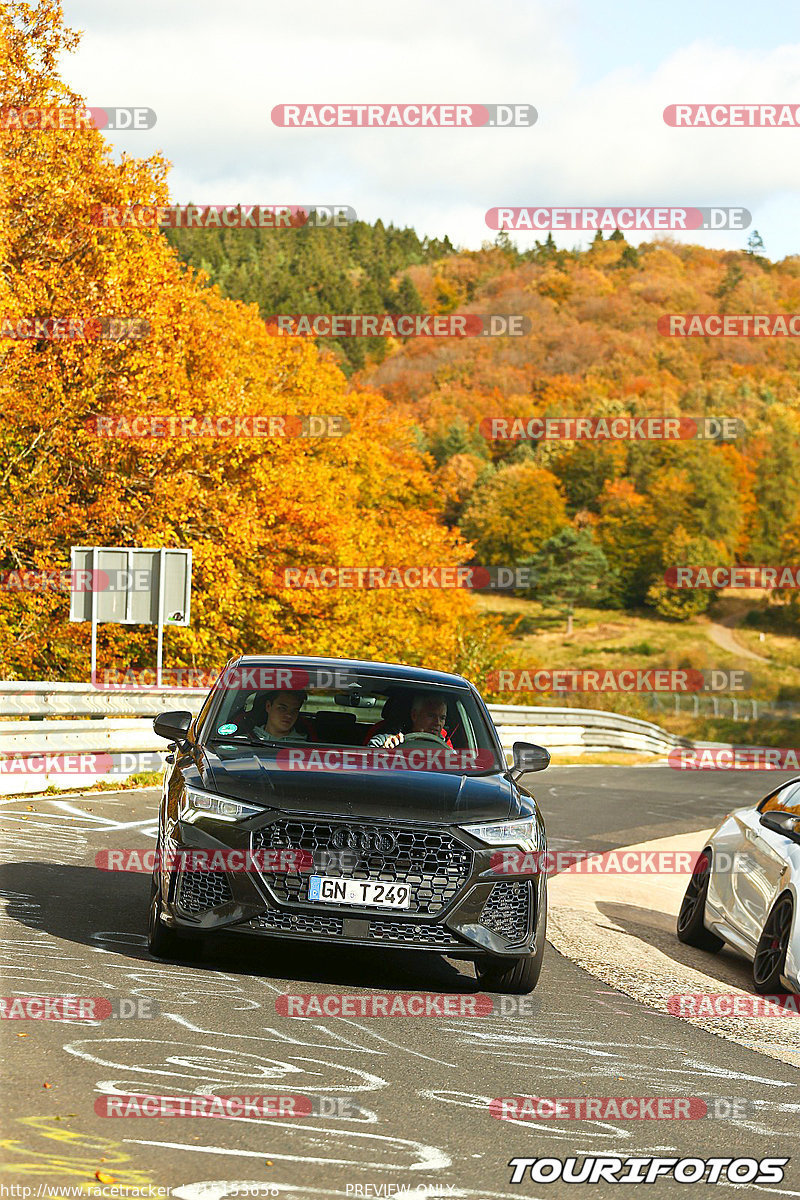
370 721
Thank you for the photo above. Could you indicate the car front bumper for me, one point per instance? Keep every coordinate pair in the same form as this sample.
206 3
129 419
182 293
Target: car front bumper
461 905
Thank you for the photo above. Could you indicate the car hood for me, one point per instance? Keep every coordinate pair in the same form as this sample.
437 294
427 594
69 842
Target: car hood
244 773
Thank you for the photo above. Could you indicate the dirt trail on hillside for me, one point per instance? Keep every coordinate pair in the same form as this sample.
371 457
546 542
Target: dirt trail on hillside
721 632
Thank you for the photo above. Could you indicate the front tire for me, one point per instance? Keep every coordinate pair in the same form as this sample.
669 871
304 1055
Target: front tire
515 975
161 941
691 927
770 958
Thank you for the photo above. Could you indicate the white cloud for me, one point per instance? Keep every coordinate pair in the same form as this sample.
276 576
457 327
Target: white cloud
213 75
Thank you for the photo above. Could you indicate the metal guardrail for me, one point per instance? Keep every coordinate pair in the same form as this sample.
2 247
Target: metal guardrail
38 700
119 740
735 708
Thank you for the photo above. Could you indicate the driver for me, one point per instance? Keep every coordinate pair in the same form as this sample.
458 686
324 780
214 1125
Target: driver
428 715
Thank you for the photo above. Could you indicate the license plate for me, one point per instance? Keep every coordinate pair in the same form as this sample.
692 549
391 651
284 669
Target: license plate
326 889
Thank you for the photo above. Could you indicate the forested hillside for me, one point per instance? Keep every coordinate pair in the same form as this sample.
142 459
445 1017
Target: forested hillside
594 349
245 507
357 269
415 480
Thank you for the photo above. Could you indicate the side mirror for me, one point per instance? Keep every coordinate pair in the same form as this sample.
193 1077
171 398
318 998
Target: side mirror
529 757
782 822
173 726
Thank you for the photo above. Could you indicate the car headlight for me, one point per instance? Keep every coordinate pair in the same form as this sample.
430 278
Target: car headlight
524 834
204 804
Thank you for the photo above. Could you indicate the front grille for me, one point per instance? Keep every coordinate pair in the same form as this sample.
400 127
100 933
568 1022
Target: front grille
434 864
406 934
201 890
506 910
400 933
298 923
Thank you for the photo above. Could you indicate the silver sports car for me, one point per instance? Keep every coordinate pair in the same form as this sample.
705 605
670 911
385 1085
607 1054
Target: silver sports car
744 890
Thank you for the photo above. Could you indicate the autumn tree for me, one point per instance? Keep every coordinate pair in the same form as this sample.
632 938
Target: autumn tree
570 569
246 506
623 528
681 549
513 512
790 556
455 481
776 487
583 469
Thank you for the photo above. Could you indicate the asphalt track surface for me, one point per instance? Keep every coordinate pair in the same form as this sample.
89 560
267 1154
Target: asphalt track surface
422 1085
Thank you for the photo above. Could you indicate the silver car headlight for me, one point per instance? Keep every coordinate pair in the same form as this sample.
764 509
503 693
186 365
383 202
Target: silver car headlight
196 803
524 834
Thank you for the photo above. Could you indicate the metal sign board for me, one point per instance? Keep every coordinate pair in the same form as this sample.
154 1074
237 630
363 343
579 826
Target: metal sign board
130 585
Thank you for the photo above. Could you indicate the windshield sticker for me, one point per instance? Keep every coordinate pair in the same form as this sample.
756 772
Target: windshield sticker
227 729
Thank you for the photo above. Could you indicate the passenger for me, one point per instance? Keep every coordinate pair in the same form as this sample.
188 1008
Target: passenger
428 715
282 710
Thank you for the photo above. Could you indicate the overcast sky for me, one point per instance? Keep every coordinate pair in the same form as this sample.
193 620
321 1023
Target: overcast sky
599 73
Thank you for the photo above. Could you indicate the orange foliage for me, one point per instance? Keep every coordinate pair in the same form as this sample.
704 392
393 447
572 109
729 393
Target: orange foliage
245 506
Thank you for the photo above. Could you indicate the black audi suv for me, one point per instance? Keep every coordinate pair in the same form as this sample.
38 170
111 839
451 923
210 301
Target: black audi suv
355 803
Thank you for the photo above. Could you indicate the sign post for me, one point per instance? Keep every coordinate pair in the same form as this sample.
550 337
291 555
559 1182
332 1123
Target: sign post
130 585
160 650
94 612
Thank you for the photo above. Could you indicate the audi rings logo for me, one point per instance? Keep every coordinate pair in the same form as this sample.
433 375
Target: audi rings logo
366 841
